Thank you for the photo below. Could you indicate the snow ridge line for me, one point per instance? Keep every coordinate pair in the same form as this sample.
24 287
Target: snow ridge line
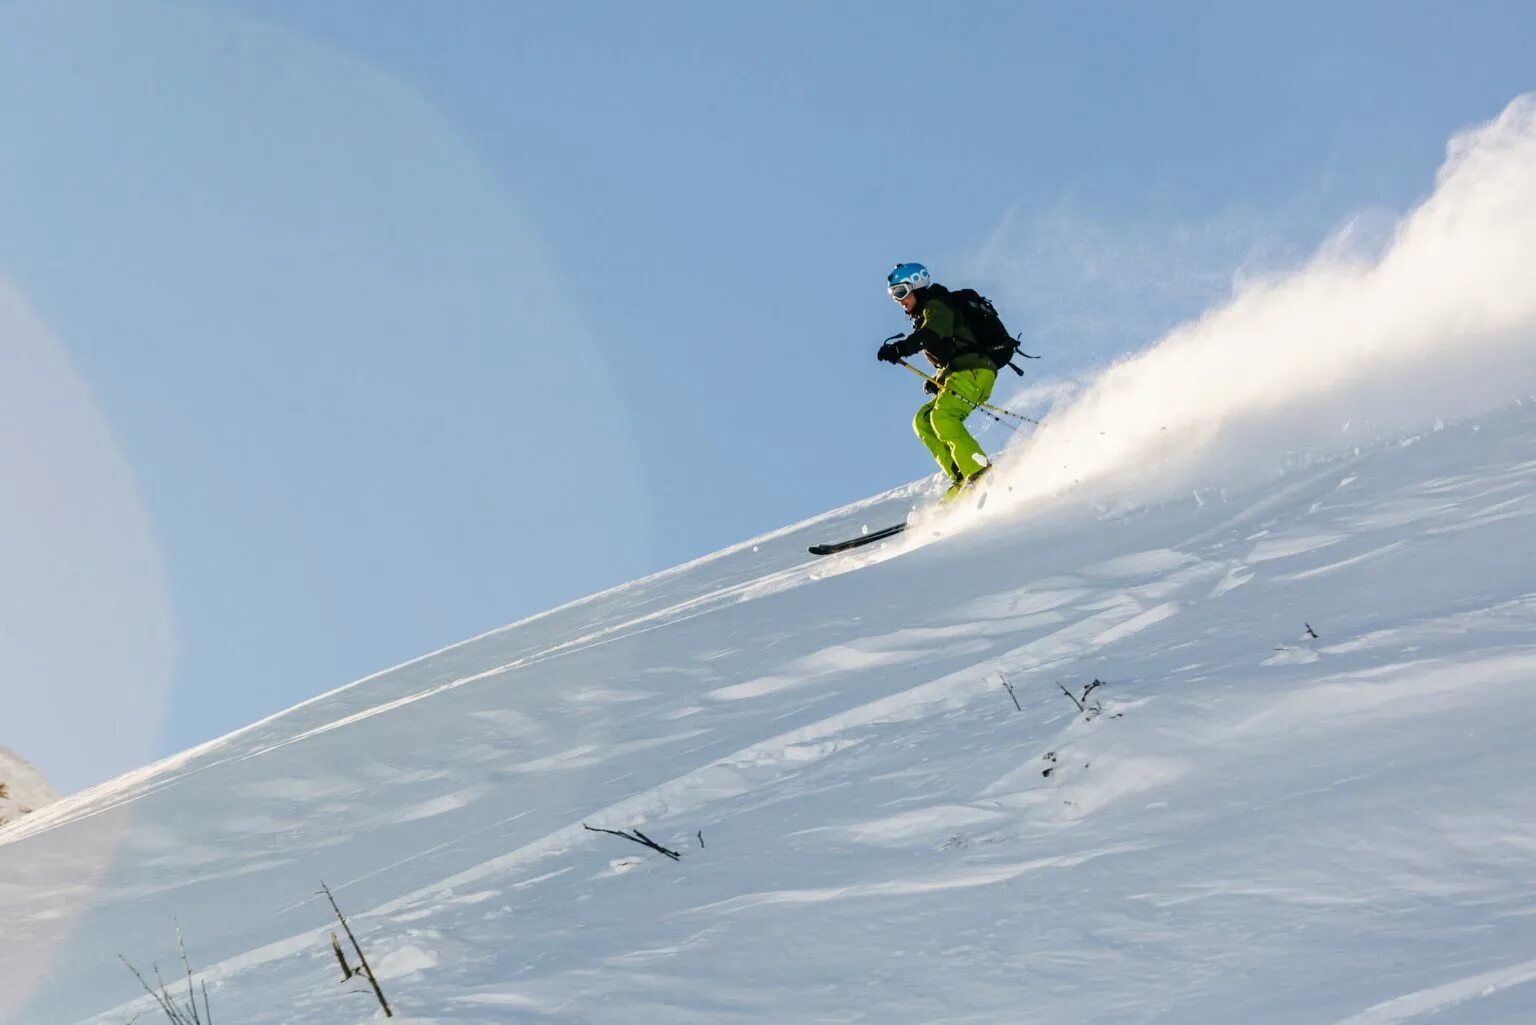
971 877
1438 998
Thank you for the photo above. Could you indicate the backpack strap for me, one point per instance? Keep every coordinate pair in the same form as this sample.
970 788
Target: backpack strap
1011 365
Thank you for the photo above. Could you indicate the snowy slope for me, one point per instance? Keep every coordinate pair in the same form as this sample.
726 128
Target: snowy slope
1259 823
1248 822
25 789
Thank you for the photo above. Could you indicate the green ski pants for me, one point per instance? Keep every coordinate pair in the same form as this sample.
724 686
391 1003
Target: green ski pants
940 424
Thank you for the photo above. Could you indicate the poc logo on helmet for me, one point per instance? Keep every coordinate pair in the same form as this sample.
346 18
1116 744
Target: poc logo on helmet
906 278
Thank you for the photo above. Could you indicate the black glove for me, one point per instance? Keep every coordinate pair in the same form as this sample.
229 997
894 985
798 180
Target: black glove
889 353
931 387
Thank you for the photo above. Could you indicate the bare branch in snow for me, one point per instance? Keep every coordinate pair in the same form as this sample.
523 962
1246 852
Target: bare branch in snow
181 945
175 1013
346 970
366 971
1009 687
639 838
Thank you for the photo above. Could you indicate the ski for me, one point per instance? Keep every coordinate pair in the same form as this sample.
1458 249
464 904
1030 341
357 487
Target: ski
858 542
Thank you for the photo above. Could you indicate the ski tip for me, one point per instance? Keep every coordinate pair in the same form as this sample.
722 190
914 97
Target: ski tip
857 542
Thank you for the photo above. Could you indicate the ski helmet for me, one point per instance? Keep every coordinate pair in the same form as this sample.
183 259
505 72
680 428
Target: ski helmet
906 278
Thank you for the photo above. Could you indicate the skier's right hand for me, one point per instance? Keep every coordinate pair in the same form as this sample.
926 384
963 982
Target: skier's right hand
889 353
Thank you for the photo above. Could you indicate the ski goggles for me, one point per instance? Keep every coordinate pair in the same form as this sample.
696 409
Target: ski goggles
900 290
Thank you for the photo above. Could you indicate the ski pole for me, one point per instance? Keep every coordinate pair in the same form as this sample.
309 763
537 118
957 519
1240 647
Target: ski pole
979 408
985 407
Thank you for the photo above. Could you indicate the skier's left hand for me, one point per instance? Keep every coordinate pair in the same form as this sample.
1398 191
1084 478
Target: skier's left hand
889 353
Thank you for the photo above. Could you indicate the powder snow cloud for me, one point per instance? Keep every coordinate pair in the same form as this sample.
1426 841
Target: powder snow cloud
1361 343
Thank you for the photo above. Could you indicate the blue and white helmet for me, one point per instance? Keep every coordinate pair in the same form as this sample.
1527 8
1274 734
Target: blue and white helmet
906 278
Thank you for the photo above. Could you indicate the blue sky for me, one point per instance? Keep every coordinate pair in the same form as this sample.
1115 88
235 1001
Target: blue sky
398 325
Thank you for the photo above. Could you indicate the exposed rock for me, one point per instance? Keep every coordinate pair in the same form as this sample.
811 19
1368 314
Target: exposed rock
22 788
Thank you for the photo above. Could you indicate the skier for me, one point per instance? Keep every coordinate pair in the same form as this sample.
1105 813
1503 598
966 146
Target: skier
965 375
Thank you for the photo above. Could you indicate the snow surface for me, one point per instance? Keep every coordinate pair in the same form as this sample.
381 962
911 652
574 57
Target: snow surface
1292 541
25 789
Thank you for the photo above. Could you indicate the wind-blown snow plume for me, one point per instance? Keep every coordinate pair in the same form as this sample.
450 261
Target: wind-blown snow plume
1438 323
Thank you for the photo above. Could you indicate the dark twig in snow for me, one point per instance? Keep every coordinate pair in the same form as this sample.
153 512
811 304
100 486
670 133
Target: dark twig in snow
1310 632
366 971
1011 694
341 958
1091 709
174 1012
639 838
169 1009
181 945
